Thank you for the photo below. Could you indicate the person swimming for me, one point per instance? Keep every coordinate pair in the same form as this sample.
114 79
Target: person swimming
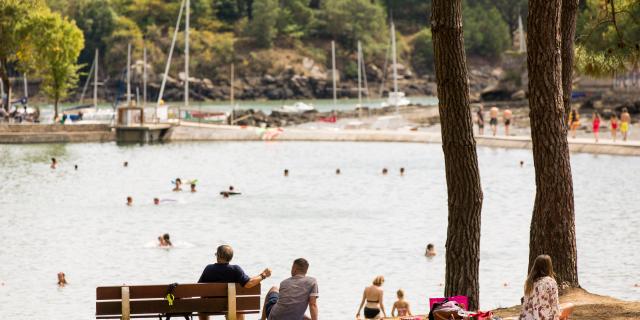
156 201
193 187
178 184
54 163
521 163
75 167
62 280
125 164
286 172
231 192
385 171
165 240
431 251
402 171
338 171
225 194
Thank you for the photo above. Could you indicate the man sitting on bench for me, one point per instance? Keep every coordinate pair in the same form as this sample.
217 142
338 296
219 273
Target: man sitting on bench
223 272
293 297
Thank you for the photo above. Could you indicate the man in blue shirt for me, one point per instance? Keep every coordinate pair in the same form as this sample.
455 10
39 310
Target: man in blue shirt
223 272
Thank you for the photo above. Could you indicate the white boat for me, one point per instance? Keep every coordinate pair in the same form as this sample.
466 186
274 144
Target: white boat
396 99
298 107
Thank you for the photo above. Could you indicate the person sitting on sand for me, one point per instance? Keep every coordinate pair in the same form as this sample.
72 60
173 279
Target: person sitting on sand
290 301
178 186
223 272
431 251
54 163
129 201
373 296
541 300
62 280
402 306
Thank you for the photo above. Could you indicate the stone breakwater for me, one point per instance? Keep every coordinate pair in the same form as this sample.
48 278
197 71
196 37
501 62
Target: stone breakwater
55 133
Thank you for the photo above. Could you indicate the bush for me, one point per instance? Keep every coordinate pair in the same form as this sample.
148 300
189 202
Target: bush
486 33
262 27
422 53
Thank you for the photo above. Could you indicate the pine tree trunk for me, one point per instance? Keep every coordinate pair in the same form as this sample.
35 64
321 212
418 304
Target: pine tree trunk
553 220
461 162
568 18
6 83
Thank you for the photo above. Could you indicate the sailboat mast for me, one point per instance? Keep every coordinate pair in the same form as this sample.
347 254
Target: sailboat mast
166 69
395 64
359 75
26 87
333 71
95 82
186 55
129 75
144 77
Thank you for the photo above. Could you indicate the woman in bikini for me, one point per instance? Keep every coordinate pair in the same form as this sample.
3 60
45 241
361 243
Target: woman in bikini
373 296
402 306
596 125
574 122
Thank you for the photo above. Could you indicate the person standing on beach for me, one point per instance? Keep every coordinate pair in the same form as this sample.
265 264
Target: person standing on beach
507 121
614 127
596 125
625 119
480 120
493 120
574 122
373 296
223 272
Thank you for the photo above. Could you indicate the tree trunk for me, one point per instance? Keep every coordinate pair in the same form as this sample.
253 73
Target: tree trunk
553 221
6 83
568 18
461 162
55 109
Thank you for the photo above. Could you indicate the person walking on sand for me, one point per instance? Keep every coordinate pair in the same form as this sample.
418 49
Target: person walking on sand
402 306
625 119
493 120
223 272
507 121
480 120
596 125
541 300
614 127
574 122
290 301
373 297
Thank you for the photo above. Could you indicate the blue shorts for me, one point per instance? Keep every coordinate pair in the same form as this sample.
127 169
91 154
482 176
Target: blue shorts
272 299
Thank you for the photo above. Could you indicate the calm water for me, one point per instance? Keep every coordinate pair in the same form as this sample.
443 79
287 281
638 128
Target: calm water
350 227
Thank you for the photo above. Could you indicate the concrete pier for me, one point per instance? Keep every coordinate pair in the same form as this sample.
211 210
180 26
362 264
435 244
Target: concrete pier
142 133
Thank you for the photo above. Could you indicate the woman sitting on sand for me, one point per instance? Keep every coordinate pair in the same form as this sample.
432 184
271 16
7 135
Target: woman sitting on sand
402 306
373 297
541 300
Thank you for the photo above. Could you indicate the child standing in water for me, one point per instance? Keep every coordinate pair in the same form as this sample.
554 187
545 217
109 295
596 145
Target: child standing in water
596 125
402 306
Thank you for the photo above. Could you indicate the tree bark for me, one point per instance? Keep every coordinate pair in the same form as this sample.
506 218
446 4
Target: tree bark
553 220
459 146
6 83
568 18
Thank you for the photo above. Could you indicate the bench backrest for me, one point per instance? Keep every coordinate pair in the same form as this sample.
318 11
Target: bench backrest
125 302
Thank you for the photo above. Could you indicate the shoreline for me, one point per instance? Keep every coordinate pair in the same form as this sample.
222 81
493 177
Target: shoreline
27 134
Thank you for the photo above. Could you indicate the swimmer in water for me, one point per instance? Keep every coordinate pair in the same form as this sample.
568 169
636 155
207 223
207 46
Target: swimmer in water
178 185
231 188
125 164
193 187
129 201
156 201
165 241
431 250
54 163
338 171
384 171
402 171
75 167
521 163
225 194
286 172
62 280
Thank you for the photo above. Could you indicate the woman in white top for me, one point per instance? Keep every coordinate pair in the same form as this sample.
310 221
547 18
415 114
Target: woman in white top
541 293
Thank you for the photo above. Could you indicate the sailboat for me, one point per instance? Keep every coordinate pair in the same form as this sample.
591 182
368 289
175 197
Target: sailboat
396 98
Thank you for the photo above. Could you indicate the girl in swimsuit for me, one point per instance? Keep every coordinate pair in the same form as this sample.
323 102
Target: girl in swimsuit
401 306
574 122
614 127
373 296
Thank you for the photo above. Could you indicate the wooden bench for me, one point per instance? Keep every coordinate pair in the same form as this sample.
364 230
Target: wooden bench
126 302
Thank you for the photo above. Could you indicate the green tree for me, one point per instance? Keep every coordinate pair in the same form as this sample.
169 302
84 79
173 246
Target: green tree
58 43
126 31
350 21
15 17
422 53
263 26
97 20
294 18
485 32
